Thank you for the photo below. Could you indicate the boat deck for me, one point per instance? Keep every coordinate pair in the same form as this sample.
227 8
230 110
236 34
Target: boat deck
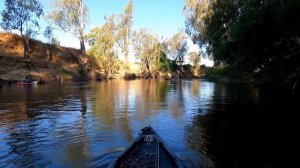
144 154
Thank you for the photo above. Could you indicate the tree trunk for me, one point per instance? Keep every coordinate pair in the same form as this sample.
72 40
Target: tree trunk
25 46
148 68
126 55
127 68
109 73
50 52
180 70
82 46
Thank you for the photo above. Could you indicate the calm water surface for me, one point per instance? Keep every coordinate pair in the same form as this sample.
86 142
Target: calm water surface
206 124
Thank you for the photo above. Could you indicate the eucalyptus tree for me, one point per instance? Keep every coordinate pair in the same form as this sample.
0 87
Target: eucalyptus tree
103 45
55 41
196 13
124 36
259 38
48 34
22 15
70 16
194 58
177 48
148 49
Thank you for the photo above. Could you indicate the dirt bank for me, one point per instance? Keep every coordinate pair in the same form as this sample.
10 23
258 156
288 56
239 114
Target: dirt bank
66 63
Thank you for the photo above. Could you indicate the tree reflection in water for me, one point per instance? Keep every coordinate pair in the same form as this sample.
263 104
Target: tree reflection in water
89 124
242 127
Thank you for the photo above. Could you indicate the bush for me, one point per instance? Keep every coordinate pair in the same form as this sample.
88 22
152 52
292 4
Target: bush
226 71
130 76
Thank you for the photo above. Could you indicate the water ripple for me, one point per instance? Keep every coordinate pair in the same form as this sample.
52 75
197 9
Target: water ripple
89 124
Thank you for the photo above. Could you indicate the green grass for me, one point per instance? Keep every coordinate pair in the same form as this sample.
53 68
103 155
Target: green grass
225 71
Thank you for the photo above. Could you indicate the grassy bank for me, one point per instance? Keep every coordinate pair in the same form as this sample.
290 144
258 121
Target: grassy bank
225 74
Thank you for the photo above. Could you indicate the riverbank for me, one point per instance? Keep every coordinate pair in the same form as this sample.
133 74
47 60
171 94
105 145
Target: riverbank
65 63
228 74
225 74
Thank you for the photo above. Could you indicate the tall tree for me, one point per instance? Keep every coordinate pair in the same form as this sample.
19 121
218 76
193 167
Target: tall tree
196 13
102 41
48 34
22 15
71 16
257 37
195 59
177 48
148 49
125 29
55 41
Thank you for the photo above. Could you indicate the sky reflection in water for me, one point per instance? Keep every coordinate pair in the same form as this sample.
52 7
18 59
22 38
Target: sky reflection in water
89 124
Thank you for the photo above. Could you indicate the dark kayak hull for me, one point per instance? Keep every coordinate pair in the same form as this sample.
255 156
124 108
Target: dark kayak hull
147 151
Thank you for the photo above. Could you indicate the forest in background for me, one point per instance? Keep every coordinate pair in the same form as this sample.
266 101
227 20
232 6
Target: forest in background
155 58
256 39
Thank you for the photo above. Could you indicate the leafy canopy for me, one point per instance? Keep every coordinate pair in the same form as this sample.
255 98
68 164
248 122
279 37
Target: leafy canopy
148 49
102 42
21 14
259 37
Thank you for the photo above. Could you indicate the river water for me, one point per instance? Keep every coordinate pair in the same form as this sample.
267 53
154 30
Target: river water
206 124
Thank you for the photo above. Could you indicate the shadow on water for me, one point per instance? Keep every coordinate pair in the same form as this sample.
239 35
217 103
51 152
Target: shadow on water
247 127
89 124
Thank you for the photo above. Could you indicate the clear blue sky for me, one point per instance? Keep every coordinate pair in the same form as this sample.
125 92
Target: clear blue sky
163 17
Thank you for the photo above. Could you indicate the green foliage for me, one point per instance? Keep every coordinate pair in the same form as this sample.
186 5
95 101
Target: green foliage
55 41
22 15
102 41
48 33
70 16
194 58
148 49
196 13
257 37
174 66
124 35
188 67
164 64
177 48
225 71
